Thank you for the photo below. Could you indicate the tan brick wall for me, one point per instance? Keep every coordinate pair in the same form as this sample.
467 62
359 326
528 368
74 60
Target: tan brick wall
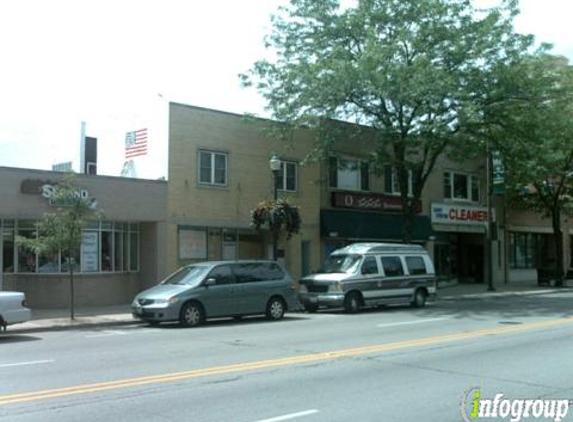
250 179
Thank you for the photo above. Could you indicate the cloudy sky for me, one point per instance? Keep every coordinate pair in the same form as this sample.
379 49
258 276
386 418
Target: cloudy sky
115 63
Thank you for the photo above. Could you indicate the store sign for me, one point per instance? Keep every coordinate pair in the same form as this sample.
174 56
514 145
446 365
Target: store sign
369 201
48 190
459 214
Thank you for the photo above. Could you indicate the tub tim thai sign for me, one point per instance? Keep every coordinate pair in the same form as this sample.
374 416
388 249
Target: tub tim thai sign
459 214
369 201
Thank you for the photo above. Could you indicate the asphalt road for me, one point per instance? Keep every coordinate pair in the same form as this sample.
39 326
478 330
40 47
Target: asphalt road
389 364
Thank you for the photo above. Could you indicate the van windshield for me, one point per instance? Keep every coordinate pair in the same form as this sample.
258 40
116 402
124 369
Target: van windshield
190 275
341 263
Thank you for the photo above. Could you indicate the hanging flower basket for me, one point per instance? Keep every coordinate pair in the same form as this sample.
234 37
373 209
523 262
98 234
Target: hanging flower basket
278 216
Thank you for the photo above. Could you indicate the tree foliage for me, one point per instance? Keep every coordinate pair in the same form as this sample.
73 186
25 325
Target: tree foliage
535 135
411 70
60 232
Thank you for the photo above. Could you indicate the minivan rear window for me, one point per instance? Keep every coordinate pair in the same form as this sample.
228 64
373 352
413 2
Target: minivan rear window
253 272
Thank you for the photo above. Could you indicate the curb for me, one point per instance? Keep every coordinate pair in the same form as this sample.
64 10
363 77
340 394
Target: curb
39 326
494 294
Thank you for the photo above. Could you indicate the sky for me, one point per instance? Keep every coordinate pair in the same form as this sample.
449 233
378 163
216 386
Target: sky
115 64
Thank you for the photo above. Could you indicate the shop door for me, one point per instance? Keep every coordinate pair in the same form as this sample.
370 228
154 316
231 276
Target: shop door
475 261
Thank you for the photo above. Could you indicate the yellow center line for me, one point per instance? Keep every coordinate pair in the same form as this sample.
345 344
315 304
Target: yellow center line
272 363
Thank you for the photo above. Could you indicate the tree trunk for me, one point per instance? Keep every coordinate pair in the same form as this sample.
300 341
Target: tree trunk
558 237
408 224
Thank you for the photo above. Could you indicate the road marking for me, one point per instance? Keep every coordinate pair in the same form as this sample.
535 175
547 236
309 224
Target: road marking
34 362
290 416
278 362
417 321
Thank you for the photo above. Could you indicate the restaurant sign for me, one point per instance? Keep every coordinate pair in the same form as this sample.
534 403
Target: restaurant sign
369 201
459 214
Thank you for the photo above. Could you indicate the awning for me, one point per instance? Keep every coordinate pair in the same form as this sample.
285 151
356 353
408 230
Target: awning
371 226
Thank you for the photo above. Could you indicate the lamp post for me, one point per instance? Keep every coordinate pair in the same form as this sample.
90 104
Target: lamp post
275 165
489 237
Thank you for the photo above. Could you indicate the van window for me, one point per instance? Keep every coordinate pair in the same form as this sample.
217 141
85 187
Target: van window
222 274
416 265
343 263
392 266
253 272
369 266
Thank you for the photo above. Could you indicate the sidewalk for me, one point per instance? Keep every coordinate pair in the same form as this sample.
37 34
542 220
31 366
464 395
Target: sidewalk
105 316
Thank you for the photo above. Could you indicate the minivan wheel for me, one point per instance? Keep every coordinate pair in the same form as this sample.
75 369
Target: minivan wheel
419 299
352 303
275 309
191 314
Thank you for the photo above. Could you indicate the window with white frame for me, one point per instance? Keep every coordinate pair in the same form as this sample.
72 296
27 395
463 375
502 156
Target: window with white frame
212 168
461 186
348 173
391 183
287 175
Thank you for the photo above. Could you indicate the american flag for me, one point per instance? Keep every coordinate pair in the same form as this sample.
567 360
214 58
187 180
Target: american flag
136 143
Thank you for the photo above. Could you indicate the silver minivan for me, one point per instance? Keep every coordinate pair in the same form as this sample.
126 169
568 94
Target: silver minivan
370 274
218 289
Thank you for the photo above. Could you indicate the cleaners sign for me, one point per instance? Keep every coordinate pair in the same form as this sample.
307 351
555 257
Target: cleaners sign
459 214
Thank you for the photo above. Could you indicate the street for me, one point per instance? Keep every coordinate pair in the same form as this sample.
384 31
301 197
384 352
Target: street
388 364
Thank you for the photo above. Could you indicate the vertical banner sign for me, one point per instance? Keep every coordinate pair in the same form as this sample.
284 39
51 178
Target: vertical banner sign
498 170
89 252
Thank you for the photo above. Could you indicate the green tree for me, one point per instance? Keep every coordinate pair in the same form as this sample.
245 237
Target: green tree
408 71
279 217
60 232
535 134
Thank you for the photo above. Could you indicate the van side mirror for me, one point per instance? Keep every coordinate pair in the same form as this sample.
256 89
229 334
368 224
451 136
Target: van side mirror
210 282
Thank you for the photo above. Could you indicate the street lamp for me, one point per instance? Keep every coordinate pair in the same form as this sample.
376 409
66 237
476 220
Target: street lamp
275 165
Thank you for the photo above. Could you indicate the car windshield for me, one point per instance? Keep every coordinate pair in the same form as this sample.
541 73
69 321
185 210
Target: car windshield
341 263
190 275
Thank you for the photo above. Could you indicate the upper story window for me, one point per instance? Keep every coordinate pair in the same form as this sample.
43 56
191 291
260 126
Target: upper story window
391 183
348 173
286 179
461 187
213 168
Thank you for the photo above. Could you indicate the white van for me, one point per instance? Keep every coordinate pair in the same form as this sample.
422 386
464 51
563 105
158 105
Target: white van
369 274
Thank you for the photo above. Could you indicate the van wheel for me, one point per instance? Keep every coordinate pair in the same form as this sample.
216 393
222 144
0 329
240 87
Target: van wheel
352 303
311 308
419 299
191 315
275 309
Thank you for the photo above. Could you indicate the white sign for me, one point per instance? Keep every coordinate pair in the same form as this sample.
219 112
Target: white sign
459 214
49 192
89 251
192 244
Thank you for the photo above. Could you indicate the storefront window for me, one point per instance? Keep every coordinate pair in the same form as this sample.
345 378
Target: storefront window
106 247
26 257
528 250
134 251
106 250
8 246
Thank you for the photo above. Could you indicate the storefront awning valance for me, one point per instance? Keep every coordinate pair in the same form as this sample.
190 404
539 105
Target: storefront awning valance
371 226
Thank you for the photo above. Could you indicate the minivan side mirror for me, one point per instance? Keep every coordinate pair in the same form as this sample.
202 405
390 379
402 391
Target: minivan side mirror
210 282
